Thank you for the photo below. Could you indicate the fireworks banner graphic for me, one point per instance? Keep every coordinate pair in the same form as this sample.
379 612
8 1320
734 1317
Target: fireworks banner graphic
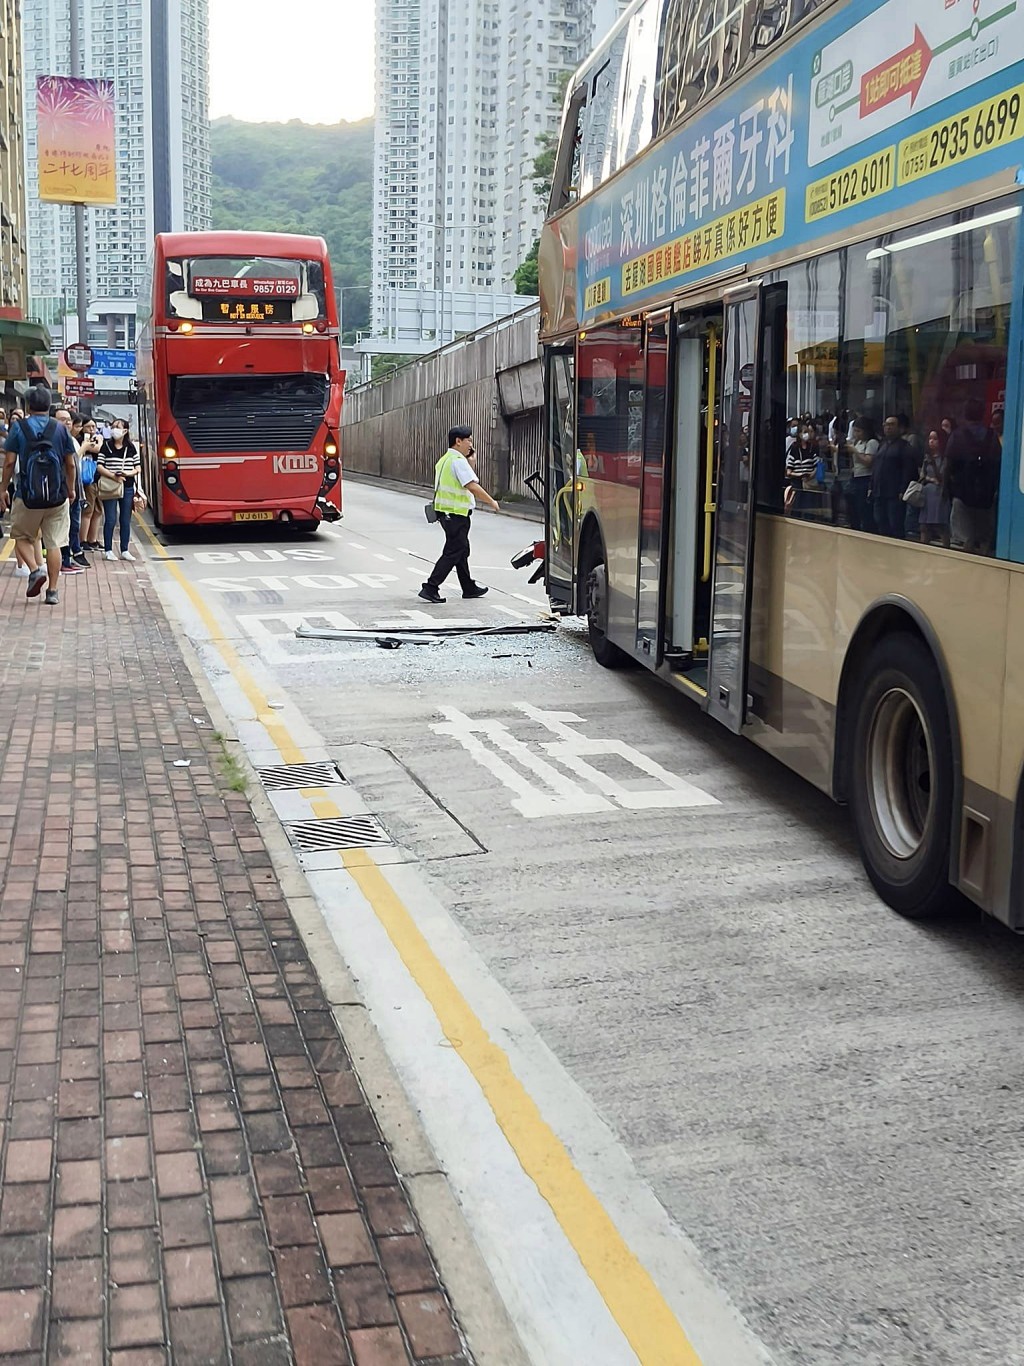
76 140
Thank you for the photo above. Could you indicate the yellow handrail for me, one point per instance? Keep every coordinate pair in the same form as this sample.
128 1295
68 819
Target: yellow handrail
709 485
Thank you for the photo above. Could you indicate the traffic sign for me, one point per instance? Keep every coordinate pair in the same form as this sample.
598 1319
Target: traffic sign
108 362
78 357
79 388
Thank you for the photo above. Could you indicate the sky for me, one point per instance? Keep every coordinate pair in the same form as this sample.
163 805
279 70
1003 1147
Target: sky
273 62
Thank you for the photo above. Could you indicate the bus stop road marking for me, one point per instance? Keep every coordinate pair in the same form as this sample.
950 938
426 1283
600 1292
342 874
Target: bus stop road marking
540 789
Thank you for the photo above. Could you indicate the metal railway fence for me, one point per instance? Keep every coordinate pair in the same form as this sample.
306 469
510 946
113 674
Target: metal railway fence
395 428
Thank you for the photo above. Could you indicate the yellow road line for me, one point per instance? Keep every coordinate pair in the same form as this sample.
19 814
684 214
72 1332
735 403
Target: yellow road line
278 732
634 1301
6 550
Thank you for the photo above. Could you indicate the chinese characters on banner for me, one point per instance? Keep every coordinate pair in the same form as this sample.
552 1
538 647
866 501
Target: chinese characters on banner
76 140
717 190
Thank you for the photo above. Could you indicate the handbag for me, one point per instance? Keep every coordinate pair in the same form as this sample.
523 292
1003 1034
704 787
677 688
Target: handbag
88 469
108 487
429 511
140 502
913 494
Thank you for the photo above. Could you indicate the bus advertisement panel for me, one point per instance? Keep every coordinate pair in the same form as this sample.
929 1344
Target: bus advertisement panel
240 380
874 108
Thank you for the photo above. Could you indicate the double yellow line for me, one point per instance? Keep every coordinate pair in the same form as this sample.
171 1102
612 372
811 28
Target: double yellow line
626 1287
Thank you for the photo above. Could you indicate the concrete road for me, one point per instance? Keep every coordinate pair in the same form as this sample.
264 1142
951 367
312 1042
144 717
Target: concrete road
707 1001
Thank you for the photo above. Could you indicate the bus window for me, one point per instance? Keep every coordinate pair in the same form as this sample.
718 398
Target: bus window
565 182
638 80
707 42
927 330
601 120
806 468
611 397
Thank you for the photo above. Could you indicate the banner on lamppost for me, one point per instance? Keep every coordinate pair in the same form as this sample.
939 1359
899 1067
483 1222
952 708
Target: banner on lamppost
75 116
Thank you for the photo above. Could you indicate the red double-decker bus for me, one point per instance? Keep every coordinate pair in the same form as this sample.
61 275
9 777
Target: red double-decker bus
240 380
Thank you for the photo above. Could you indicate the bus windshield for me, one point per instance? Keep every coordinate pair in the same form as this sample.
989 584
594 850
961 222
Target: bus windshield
244 289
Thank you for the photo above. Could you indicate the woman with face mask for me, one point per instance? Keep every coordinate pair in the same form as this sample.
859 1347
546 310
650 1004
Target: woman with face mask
118 461
91 444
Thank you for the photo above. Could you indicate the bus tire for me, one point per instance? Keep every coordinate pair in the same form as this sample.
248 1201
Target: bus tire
901 770
595 580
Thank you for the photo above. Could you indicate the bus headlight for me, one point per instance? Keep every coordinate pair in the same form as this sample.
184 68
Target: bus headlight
307 328
185 327
170 452
331 448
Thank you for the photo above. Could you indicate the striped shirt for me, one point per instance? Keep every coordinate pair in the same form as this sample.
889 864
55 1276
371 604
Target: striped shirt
800 462
118 461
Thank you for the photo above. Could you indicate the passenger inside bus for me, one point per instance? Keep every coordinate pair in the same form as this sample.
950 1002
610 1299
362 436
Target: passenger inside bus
899 359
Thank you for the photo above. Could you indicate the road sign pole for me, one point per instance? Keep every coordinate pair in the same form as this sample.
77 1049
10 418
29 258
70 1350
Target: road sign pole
83 307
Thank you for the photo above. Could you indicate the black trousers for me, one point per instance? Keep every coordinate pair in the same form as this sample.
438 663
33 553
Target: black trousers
455 554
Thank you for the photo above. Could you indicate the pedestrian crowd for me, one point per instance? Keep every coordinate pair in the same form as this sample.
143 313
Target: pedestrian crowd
69 487
941 490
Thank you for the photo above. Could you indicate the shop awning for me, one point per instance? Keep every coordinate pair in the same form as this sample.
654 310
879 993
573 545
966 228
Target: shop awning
20 339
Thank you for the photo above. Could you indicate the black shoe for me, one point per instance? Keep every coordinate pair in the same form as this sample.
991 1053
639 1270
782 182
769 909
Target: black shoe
430 594
81 561
477 591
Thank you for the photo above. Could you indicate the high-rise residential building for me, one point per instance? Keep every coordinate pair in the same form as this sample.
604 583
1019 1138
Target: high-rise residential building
465 88
156 52
19 338
543 41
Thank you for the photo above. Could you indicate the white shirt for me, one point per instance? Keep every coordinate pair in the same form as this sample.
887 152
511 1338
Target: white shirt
463 472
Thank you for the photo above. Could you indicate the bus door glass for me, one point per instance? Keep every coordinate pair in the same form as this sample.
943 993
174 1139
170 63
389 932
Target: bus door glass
561 476
650 574
734 514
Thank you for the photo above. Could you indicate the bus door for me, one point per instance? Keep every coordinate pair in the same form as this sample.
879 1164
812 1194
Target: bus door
733 540
651 538
562 502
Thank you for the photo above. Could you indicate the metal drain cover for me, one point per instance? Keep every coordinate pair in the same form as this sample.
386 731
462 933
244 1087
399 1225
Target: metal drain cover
344 832
284 776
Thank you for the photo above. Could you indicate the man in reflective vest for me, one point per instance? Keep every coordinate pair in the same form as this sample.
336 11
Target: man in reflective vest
456 489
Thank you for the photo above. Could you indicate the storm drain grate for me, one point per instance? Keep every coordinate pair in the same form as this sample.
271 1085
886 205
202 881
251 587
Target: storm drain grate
345 832
284 776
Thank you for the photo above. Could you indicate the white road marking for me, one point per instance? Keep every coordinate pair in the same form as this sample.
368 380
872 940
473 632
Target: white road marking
259 556
388 559
557 794
508 611
280 584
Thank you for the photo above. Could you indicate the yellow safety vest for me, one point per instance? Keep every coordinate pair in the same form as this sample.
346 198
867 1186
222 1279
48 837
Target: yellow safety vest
449 495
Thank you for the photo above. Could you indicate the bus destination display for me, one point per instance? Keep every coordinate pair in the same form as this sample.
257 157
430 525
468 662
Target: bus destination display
243 287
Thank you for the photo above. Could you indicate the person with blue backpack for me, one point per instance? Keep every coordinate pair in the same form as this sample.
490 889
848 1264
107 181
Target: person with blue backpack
45 455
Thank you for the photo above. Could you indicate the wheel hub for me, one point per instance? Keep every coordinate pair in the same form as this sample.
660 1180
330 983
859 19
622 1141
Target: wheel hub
900 766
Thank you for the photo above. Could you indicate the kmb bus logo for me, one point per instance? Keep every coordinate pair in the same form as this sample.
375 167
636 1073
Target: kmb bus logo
295 464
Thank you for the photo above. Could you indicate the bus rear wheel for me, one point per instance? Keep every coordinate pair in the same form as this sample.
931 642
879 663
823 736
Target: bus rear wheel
595 579
901 790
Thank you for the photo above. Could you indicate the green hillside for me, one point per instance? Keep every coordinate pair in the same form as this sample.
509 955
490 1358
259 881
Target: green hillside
300 177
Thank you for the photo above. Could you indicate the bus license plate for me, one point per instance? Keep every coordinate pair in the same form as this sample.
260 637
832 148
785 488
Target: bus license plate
263 516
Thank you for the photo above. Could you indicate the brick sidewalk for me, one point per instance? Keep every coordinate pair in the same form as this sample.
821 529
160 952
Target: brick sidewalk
190 1170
